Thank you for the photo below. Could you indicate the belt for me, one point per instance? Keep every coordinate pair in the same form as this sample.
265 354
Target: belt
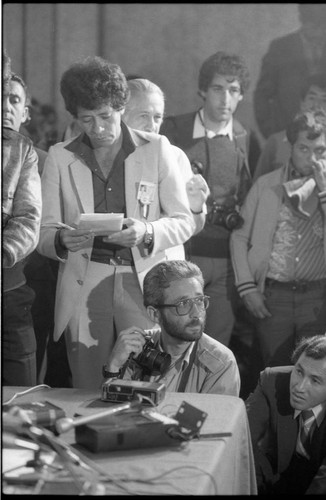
298 285
112 261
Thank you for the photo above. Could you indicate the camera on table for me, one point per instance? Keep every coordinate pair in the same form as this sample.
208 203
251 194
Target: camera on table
153 360
227 217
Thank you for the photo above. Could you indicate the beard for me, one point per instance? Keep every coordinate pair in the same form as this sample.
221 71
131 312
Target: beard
188 332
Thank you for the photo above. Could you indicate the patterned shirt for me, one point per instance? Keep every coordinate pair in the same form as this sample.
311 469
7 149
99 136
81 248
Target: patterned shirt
298 248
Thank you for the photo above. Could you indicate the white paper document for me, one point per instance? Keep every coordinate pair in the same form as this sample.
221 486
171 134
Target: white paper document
101 224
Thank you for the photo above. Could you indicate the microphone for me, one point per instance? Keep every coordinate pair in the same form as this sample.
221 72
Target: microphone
9 440
65 424
15 423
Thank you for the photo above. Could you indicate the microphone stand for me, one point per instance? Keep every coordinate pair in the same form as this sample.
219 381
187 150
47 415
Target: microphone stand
88 484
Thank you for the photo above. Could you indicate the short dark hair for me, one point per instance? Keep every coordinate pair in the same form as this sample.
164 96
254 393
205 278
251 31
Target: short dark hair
93 82
223 64
317 80
314 123
313 347
161 275
17 78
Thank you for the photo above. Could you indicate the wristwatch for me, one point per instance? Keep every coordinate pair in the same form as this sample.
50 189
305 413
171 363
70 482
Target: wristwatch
149 235
107 374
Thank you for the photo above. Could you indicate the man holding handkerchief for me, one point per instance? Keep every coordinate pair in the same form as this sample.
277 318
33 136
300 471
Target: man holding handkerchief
279 255
108 169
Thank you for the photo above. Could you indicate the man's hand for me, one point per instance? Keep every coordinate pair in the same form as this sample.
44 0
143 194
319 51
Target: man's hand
75 239
130 237
319 170
129 341
255 303
197 191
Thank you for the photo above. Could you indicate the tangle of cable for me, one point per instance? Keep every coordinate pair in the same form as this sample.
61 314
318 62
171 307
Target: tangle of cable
22 393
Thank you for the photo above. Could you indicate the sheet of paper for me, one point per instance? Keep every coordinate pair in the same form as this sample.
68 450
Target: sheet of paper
101 224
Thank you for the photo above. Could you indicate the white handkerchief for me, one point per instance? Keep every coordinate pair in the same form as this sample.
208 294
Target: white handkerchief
300 191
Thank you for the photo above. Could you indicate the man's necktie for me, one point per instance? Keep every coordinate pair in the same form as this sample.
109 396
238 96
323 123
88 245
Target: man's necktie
307 428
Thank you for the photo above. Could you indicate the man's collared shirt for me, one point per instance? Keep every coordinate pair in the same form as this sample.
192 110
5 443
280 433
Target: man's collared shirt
172 377
109 193
298 248
214 370
319 412
201 131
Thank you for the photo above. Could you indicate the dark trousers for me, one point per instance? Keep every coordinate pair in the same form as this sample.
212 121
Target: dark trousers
18 338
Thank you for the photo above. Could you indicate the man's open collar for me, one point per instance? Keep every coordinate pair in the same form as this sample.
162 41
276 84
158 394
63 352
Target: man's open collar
319 412
200 131
131 140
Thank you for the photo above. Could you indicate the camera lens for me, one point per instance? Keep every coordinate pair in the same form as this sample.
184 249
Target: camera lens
153 360
233 220
162 362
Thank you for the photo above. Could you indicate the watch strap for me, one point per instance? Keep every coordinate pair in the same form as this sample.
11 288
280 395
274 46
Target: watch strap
107 374
149 234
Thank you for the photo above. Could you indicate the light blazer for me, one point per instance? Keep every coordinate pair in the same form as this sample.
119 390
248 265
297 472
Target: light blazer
268 407
67 191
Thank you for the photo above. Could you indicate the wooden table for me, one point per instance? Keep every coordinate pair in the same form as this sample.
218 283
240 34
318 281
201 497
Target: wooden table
222 466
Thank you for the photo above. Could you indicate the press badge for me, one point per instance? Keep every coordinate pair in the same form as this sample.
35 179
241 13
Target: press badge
145 196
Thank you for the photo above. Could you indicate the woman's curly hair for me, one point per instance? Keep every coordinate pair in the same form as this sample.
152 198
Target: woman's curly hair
93 82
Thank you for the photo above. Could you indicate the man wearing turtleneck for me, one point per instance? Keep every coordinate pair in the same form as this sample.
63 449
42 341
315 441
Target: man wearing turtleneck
279 255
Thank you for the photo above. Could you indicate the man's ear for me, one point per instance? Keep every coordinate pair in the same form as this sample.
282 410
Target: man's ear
240 97
25 114
154 314
202 94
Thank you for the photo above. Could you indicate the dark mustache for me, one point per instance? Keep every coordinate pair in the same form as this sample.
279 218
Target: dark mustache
195 322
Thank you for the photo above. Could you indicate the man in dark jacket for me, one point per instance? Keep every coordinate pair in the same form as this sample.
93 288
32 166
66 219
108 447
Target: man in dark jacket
286 67
21 216
287 419
216 144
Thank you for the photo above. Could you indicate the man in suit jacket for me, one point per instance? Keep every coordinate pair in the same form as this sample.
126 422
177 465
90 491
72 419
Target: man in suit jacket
105 169
288 63
145 111
216 144
274 412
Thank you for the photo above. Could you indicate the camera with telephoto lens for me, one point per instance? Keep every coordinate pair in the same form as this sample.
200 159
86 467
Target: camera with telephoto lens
227 217
153 360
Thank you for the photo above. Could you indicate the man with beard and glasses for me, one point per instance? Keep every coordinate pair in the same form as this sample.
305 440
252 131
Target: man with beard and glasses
174 298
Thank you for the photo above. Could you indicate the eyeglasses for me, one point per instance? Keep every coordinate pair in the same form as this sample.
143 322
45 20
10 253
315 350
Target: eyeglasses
184 306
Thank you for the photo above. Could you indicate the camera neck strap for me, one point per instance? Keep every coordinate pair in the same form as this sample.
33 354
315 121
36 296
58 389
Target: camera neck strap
186 372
